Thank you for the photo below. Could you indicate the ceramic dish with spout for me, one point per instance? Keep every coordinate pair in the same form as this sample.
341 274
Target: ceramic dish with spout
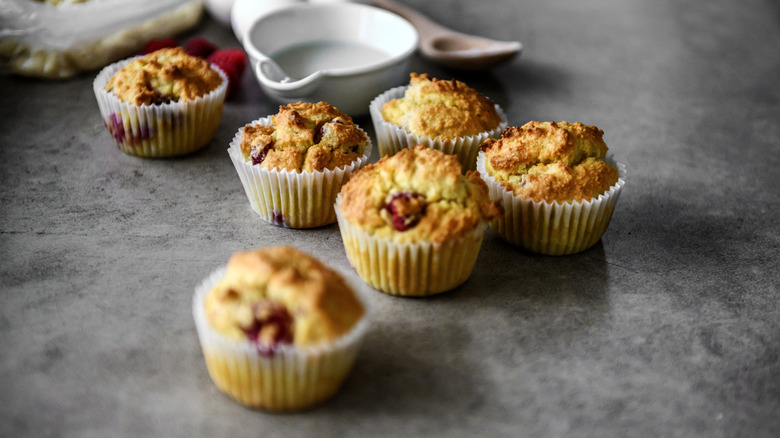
341 53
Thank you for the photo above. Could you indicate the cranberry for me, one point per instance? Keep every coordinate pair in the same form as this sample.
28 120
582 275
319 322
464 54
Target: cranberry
117 128
271 328
145 132
320 130
277 218
258 155
406 209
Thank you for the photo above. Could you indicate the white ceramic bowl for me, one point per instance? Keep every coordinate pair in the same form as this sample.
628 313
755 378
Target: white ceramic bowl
246 12
219 10
348 86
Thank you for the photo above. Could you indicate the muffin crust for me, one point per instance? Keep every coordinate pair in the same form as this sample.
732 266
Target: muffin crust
281 294
304 137
437 108
166 75
417 195
549 161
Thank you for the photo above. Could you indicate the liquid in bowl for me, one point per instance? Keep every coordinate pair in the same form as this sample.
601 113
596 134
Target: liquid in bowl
301 60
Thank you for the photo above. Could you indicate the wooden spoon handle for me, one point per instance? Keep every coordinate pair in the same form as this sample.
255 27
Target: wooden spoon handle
424 25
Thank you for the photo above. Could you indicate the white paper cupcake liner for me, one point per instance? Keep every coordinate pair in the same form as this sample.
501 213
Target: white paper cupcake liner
552 228
293 378
410 269
288 198
391 138
164 130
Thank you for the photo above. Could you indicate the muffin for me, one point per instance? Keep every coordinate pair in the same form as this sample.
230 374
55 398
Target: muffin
166 103
279 330
412 223
444 115
557 189
293 164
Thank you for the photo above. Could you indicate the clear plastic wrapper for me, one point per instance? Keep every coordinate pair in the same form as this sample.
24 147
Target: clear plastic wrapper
42 40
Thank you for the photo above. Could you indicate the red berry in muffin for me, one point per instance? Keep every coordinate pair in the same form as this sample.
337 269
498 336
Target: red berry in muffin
406 209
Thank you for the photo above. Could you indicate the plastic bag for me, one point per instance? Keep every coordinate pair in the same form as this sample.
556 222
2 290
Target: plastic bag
41 40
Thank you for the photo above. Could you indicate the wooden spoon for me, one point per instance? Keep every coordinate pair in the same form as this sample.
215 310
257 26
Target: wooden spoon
451 48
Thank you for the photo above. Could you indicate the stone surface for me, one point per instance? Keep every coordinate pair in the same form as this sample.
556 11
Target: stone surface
669 326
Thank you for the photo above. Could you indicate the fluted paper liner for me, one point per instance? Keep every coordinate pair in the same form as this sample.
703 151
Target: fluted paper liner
292 379
289 198
552 228
164 130
391 138
410 269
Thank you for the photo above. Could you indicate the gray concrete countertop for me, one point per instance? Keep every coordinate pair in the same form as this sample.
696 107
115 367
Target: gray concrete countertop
669 326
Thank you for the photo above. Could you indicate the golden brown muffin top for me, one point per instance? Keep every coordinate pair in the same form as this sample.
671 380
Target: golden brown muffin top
304 136
549 161
279 295
417 195
166 75
436 108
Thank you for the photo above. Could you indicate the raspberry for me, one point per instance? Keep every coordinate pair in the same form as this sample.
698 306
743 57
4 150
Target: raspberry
200 47
157 44
117 128
232 62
